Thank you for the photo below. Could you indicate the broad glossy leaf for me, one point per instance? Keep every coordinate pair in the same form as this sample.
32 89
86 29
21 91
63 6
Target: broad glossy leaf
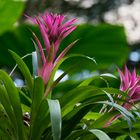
9 16
94 42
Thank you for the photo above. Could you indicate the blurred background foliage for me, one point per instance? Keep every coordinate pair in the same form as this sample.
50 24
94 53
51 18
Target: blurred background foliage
103 33
107 32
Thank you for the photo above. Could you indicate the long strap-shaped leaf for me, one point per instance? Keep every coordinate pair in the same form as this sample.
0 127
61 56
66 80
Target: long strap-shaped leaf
100 134
38 92
40 122
24 70
7 106
79 94
15 102
79 133
56 122
64 59
127 114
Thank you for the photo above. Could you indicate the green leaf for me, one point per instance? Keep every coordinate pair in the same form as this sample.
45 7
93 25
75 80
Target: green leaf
120 108
6 129
102 77
15 102
121 137
106 50
127 114
9 15
24 70
41 121
73 118
75 134
24 98
60 62
79 133
134 136
55 114
79 94
121 127
35 64
38 94
101 121
94 42
108 75
4 99
100 134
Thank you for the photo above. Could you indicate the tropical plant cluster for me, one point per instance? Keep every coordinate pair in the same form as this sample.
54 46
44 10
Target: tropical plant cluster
87 111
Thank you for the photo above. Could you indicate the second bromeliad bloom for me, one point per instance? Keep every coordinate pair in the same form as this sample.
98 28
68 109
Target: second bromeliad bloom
53 30
130 83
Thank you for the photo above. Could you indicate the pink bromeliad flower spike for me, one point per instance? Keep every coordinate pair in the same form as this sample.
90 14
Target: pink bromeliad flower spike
53 30
130 83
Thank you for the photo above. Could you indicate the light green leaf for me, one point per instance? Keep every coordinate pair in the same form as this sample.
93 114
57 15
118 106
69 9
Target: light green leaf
96 132
56 122
108 75
100 134
8 14
35 64
24 70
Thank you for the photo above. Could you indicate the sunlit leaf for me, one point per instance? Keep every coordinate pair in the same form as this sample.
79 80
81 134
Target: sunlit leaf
55 114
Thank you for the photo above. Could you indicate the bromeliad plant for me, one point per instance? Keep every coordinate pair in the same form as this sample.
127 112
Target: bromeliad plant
53 31
30 113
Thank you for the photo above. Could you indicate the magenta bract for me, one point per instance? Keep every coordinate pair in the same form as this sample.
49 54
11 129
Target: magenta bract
53 30
130 83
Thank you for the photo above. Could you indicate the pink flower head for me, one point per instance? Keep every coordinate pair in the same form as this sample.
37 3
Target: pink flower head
130 83
53 30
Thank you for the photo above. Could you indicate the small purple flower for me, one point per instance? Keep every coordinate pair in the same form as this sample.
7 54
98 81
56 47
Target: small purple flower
53 30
